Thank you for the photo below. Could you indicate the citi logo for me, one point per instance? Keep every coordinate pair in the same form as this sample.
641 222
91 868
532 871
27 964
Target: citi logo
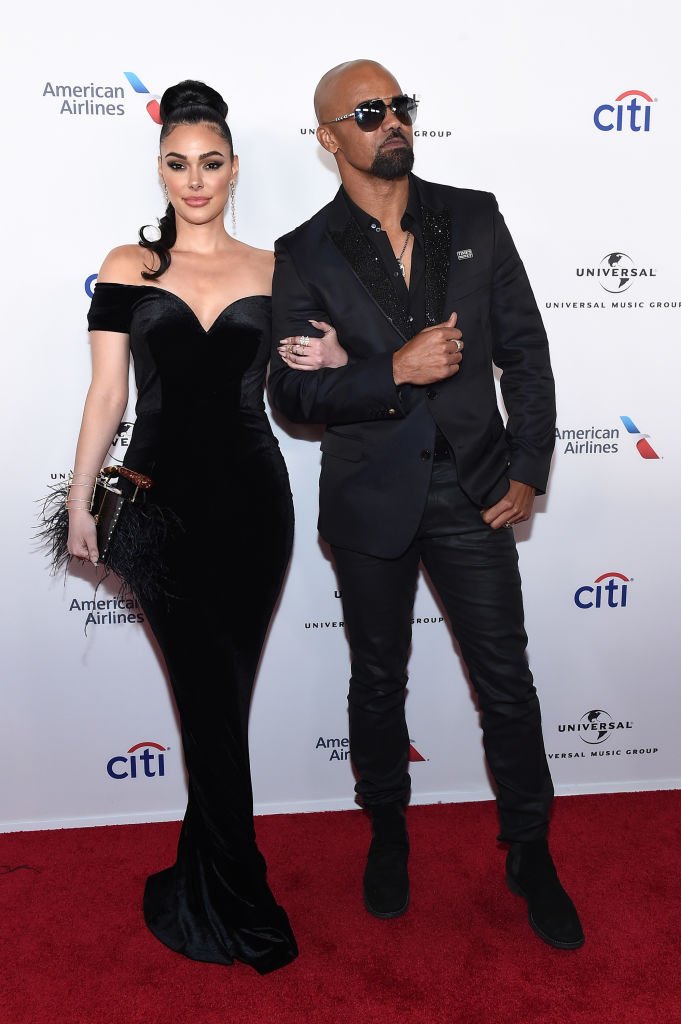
153 108
606 591
149 763
609 117
643 445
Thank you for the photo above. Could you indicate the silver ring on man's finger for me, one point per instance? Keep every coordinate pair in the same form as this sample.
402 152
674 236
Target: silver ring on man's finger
459 344
508 525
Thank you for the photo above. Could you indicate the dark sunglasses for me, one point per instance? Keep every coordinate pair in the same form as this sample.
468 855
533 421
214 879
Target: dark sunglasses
371 113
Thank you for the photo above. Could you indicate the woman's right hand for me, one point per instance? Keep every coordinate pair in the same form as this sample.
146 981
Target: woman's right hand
82 541
304 353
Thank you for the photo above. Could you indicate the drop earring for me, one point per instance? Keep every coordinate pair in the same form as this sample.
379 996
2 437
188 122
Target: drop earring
164 189
232 203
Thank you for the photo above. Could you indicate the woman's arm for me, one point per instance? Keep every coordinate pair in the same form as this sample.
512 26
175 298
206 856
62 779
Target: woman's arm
105 404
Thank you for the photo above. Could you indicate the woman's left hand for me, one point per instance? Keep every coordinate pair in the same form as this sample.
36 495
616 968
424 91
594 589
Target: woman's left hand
303 353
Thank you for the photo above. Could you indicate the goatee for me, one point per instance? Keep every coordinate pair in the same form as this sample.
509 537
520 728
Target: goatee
393 162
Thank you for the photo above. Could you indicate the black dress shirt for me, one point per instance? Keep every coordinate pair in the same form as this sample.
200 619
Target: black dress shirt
414 295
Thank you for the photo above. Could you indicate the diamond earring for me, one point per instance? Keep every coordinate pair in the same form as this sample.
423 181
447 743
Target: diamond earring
232 203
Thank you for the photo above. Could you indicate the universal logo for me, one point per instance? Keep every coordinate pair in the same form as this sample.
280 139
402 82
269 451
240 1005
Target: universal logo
616 273
595 726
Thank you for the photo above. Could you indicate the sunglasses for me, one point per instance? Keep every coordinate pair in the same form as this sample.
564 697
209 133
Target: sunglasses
371 113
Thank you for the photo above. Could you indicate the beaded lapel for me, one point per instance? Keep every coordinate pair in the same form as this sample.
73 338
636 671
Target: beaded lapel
371 271
437 232
369 268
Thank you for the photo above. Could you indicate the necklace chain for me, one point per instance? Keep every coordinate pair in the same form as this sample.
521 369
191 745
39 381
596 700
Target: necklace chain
401 256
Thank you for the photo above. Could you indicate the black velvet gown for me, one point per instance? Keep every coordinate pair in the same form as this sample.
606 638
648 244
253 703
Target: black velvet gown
203 436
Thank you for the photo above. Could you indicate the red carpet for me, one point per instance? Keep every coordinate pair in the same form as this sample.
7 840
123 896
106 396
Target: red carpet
75 949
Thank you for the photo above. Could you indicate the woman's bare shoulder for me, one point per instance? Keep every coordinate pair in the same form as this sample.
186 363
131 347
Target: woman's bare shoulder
260 264
124 265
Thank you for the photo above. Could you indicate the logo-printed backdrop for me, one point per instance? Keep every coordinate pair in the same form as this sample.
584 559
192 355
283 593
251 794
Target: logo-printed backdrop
570 116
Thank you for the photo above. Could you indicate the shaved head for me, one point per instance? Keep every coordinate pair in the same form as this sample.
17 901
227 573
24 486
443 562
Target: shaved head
344 86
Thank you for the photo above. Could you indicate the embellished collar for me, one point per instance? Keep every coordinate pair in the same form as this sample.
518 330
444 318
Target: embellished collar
354 244
412 218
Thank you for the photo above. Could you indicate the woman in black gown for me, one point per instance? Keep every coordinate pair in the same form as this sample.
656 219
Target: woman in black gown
194 309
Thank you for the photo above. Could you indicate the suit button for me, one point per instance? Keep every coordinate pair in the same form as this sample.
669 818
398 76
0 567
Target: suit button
431 394
391 412
426 454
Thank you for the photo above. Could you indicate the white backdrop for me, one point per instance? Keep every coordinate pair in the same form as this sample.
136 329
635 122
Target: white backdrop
509 95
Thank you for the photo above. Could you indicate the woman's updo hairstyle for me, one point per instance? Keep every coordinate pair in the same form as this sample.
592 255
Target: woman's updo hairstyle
188 102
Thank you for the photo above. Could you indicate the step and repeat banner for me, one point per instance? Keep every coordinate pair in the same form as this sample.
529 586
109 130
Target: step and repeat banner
571 117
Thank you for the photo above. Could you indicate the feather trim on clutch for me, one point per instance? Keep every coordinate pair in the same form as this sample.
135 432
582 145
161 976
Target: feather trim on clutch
132 535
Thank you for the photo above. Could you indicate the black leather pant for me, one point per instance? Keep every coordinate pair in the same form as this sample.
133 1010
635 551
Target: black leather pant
475 572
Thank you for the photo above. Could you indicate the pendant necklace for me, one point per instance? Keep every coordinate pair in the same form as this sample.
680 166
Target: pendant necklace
401 256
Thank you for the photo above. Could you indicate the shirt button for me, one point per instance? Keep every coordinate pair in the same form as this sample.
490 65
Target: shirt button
392 412
426 454
411 319
431 394
396 274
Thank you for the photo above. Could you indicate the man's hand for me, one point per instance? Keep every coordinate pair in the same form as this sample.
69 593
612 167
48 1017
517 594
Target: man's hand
433 354
515 507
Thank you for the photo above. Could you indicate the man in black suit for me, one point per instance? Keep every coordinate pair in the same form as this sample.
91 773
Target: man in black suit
417 464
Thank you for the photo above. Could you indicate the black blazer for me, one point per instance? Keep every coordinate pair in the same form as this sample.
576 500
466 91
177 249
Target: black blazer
377 447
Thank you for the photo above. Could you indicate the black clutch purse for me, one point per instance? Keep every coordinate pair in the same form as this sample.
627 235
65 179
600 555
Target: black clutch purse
108 504
132 534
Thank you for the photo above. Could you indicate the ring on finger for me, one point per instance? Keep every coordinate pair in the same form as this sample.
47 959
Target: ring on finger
304 341
458 343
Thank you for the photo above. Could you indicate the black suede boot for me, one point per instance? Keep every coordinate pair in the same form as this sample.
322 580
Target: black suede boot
531 873
386 880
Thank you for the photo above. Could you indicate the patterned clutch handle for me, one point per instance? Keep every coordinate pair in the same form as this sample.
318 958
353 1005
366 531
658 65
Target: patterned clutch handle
140 481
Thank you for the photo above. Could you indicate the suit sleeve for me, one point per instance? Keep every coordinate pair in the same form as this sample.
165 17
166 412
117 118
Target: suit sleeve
363 389
521 351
